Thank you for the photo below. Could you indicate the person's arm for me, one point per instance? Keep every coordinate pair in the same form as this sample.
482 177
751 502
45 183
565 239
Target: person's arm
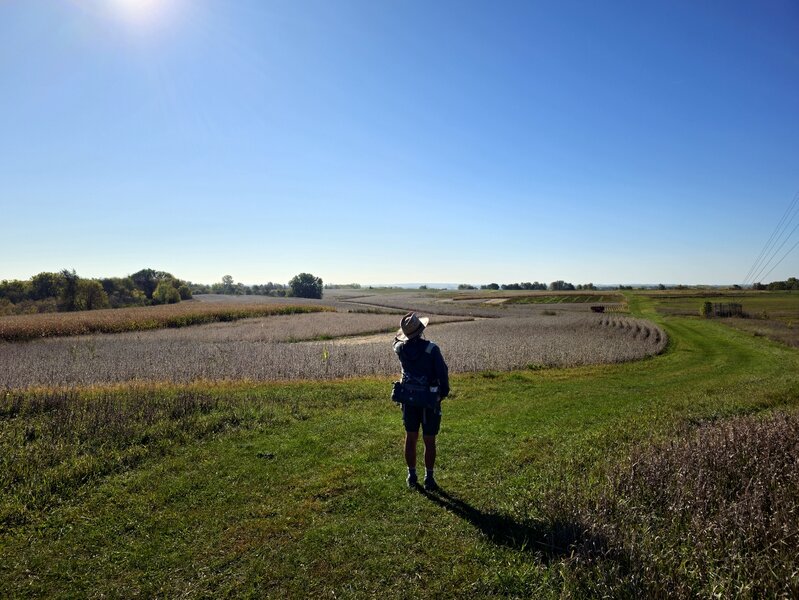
442 373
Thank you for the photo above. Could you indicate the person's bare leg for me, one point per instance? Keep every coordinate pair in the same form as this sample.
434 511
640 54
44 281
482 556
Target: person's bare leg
429 451
410 449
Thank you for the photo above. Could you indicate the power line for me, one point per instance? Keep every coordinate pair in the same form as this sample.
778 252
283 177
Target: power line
774 255
770 250
771 240
782 259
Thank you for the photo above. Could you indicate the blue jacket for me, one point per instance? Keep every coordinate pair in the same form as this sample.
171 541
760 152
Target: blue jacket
423 365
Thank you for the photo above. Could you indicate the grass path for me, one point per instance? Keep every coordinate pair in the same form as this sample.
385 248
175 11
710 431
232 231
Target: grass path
316 505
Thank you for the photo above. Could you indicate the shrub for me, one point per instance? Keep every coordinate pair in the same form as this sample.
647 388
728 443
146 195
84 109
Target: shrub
165 293
706 310
711 514
90 295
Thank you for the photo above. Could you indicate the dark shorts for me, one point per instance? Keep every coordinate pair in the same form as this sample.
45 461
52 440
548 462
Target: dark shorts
428 418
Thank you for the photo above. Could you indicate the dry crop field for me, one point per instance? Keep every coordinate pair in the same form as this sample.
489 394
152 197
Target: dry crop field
29 327
323 345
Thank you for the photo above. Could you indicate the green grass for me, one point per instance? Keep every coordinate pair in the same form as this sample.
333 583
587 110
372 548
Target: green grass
304 495
779 305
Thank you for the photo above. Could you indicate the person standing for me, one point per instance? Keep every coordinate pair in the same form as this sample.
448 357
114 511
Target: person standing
423 370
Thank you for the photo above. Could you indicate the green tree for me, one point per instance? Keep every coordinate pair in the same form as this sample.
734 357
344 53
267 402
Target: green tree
306 285
123 292
46 285
165 293
228 287
14 290
90 295
147 280
185 292
69 292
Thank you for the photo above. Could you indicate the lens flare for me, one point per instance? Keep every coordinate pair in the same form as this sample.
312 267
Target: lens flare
143 13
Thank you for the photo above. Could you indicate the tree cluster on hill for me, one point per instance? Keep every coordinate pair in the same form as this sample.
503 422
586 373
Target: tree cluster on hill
515 286
342 286
228 287
66 291
303 285
556 286
792 283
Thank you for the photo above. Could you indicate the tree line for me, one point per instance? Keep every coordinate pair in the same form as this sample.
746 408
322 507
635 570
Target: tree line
792 283
229 287
557 286
303 285
65 290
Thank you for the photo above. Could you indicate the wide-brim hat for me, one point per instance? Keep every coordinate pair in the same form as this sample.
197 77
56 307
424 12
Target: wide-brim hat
411 326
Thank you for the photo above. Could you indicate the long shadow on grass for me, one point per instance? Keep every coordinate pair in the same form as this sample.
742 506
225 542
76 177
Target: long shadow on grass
551 540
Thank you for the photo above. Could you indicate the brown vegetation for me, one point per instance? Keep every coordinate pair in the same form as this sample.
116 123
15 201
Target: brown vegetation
213 353
29 327
712 514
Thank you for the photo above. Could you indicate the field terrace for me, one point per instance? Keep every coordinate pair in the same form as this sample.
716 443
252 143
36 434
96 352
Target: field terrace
354 340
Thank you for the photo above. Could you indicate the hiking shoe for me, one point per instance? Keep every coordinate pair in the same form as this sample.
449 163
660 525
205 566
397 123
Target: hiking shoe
412 481
430 483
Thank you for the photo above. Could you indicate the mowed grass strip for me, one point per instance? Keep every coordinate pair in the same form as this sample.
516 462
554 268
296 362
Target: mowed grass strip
27 327
310 501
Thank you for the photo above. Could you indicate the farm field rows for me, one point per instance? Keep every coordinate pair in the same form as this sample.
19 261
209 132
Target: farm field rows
566 299
35 326
266 349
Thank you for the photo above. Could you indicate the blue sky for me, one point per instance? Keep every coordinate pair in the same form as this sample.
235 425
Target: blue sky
397 141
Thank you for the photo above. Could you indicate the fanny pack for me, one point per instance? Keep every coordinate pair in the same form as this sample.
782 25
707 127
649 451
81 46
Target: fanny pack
415 395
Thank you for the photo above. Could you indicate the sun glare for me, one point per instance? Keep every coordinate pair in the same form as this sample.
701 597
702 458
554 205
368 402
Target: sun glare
143 13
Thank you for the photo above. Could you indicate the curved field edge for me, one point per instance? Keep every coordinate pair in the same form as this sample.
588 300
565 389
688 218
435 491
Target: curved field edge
235 352
28 327
301 490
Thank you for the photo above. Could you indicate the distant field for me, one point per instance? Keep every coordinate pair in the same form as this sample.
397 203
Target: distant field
782 306
267 349
769 314
566 299
44 325
481 303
